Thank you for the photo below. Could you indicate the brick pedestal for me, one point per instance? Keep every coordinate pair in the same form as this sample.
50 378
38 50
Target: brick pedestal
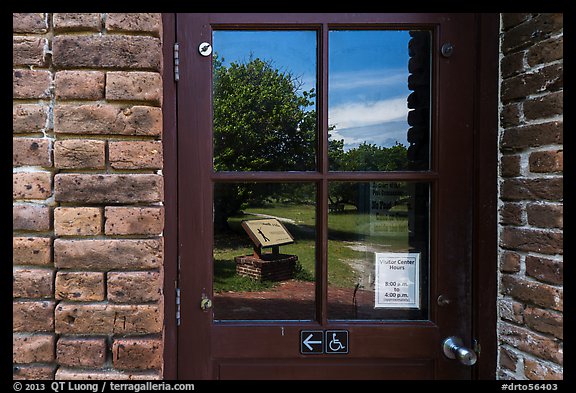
271 267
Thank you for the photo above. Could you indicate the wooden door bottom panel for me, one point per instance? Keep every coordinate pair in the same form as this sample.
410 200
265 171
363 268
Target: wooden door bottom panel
325 369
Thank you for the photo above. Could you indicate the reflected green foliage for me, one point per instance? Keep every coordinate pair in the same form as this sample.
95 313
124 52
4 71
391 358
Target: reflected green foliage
262 119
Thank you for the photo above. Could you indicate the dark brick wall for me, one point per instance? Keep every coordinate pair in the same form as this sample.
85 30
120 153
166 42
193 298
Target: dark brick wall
531 234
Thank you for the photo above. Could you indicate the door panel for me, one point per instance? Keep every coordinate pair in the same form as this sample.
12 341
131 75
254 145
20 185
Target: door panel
432 214
309 369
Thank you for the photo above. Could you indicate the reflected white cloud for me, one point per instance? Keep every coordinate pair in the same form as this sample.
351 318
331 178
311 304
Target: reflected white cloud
368 79
381 122
383 134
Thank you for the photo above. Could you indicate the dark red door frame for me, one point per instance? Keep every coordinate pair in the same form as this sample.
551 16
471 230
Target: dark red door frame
484 245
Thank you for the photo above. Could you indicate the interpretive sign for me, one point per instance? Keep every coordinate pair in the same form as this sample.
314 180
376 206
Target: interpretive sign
397 280
267 232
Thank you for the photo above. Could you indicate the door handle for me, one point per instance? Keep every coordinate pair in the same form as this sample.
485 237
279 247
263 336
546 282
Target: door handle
454 348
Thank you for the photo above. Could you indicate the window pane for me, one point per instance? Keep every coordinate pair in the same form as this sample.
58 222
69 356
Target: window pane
379 100
378 250
277 284
264 100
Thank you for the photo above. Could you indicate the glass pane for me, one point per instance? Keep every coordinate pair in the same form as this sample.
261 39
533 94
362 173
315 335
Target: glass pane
264 251
264 100
379 100
378 250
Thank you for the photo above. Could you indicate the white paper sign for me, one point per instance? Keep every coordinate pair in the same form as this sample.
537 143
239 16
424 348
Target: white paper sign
397 280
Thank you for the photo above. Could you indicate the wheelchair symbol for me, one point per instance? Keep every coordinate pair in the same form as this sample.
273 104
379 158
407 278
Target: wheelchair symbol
336 341
335 344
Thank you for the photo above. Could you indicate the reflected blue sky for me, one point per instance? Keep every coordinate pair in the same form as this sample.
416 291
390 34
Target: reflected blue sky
368 76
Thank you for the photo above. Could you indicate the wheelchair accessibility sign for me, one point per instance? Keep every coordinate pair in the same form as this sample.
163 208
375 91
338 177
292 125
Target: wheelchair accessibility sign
328 341
336 341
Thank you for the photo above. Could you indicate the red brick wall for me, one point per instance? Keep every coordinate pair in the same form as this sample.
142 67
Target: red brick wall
530 305
87 196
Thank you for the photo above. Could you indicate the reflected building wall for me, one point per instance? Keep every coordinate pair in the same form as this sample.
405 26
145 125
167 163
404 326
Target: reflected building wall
419 147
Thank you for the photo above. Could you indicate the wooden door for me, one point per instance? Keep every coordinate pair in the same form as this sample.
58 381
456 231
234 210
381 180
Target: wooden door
368 163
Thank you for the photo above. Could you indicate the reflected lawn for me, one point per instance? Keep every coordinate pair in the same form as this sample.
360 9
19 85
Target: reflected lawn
351 236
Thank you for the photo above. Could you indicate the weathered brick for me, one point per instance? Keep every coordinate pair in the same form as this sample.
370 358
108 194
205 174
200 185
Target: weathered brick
536 344
129 220
33 372
79 85
30 217
77 221
31 84
134 22
509 262
510 19
546 189
511 310
546 161
533 135
134 287
108 254
77 318
33 316
106 51
29 117
545 106
31 185
508 359
38 348
548 78
545 215
137 353
110 188
546 51
29 23
544 321
540 241
31 250
79 153
29 51
511 214
32 283
135 154
531 31
546 270
532 292
134 86
536 370
67 374
510 115
81 352
31 151
512 64
80 286
107 119
77 21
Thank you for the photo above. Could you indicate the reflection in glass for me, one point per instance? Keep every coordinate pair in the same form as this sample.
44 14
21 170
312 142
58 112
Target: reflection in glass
264 109
267 283
379 100
365 221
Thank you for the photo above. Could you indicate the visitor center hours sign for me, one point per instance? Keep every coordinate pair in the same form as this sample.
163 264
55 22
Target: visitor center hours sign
397 280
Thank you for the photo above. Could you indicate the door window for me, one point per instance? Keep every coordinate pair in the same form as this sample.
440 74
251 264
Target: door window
345 173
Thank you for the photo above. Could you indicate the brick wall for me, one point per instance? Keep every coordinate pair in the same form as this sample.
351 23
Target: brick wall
530 304
87 196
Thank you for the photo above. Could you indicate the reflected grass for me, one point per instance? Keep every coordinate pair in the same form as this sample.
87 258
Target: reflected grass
346 229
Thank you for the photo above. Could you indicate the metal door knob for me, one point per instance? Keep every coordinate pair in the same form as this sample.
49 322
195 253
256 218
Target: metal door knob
454 348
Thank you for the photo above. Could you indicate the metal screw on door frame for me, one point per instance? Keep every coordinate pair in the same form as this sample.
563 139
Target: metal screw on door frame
205 49
447 49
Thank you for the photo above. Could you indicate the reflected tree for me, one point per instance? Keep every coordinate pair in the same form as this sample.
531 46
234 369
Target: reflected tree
263 121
